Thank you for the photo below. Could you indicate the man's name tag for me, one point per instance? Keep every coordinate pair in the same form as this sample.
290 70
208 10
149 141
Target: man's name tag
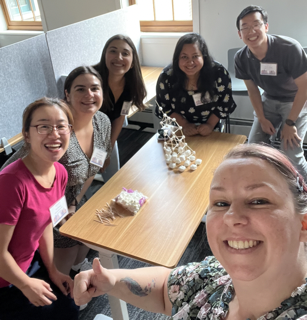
98 157
126 108
58 211
268 69
197 99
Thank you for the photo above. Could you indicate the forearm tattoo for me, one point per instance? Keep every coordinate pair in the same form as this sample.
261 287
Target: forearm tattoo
136 289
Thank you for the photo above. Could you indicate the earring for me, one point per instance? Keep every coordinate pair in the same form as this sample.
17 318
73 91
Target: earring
304 225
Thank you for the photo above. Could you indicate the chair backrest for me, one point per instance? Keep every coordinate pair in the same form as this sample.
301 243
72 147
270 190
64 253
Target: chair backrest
305 49
237 84
231 61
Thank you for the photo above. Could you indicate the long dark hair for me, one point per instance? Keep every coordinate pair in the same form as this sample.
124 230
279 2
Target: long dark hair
133 78
206 80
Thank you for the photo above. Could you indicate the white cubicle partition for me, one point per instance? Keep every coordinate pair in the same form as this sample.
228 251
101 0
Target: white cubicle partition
82 43
26 75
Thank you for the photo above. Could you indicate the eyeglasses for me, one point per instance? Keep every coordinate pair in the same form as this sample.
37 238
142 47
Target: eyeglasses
47 129
256 26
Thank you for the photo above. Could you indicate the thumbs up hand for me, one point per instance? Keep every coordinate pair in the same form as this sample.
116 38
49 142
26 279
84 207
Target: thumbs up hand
93 283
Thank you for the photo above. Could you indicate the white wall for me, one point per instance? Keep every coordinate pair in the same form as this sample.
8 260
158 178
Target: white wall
158 48
218 22
59 13
11 36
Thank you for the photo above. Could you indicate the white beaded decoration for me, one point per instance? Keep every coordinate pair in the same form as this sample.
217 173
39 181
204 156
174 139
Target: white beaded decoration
176 149
172 165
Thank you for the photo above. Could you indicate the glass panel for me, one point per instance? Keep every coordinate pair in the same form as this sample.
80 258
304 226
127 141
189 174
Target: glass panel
36 10
26 11
146 9
182 9
164 9
12 8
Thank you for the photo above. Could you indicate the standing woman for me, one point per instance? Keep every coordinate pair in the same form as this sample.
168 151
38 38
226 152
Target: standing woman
92 130
122 80
194 89
29 187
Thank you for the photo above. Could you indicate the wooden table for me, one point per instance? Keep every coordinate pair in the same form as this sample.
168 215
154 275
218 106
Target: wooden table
161 231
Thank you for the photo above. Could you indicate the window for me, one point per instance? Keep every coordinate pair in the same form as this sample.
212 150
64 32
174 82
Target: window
165 15
22 14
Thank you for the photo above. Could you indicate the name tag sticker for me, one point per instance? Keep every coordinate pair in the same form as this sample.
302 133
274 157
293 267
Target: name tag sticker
125 108
58 211
197 99
268 69
98 157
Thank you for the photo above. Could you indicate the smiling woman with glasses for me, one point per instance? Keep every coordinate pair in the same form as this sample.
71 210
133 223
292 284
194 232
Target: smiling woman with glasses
31 287
47 129
91 131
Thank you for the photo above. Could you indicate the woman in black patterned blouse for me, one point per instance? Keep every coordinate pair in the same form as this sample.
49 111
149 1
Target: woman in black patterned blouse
194 89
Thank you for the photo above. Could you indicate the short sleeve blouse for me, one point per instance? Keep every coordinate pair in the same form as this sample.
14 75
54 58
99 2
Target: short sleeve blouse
204 290
182 102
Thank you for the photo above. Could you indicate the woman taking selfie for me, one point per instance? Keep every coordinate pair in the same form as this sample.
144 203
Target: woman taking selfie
29 189
256 228
194 89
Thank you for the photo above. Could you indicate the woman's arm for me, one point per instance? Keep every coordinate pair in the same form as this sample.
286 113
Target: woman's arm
117 126
62 281
72 207
189 129
206 128
37 291
145 288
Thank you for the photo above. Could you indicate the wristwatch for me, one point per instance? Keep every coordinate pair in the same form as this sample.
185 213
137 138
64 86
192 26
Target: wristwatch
290 122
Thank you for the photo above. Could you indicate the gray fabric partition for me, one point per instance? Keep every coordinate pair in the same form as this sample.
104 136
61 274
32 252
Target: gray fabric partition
82 43
26 75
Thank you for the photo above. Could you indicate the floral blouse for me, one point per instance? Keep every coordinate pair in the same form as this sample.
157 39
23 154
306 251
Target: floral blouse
204 290
182 102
